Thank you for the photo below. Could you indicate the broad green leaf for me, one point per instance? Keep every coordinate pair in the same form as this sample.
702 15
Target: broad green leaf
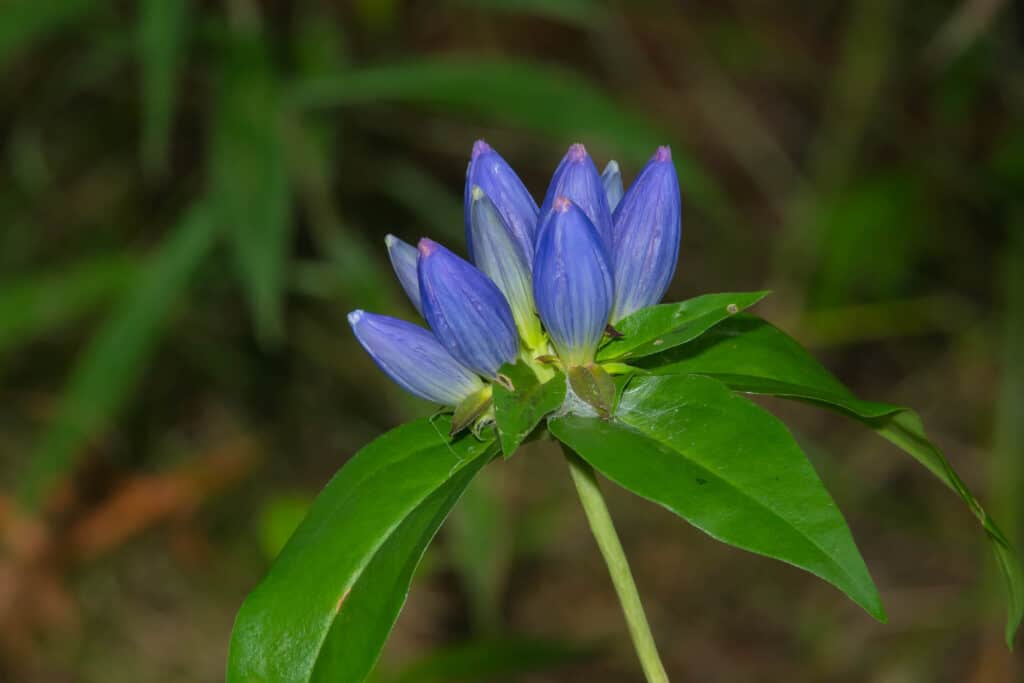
25 21
249 176
161 46
753 356
518 93
727 467
39 303
657 328
503 658
108 368
325 608
594 386
517 413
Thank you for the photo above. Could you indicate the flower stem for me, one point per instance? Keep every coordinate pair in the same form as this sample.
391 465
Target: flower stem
611 549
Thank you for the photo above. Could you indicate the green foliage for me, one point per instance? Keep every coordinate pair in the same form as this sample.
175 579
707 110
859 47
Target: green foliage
34 305
23 22
658 328
162 36
679 434
248 171
108 368
518 412
325 608
752 356
727 467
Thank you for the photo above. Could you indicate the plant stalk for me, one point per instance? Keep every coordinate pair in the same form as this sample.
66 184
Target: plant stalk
618 567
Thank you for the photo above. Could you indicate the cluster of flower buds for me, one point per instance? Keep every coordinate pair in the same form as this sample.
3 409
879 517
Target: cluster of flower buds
540 283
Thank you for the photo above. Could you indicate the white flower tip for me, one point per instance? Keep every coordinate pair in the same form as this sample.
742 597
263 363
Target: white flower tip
476 193
355 316
389 240
612 167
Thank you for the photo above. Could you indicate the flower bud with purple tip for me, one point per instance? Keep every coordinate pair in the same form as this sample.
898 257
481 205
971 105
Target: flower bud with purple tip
516 206
500 258
466 310
646 236
403 259
414 359
577 180
572 282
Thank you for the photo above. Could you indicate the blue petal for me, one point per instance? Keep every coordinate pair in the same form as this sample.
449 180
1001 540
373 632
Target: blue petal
492 174
466 310
413 358
572 282
403 260
611 178
500 258
576 179
647 231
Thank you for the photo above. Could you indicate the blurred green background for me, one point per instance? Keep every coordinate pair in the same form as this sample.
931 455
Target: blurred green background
194 194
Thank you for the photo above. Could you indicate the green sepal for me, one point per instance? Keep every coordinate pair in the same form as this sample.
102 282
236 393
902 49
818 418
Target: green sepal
471 408
518 411
592 384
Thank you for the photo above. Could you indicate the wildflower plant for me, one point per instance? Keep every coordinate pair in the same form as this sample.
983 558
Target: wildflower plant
552 328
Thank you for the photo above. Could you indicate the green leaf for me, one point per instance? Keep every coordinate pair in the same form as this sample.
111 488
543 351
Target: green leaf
657 328
324 610
39 303
24 21
108 368
517 413
161 45
753 356
507 657
519 93
592 384
249 177
727 467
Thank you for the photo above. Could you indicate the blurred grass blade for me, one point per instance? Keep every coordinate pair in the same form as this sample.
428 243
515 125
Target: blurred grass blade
162 37
41 303
24 21
580 13
505 658
517 93
249 176
107 369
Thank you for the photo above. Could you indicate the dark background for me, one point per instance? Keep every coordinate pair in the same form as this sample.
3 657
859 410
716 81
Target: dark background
193 195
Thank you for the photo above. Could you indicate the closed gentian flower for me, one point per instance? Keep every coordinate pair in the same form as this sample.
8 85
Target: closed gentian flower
577 180
501 259
611 178
412 357
516 206
646 236
403 259
572 282
466 310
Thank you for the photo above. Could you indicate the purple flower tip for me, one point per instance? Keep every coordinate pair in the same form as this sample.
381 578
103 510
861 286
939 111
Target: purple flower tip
561 204
664 153
577 152
426 246
480 147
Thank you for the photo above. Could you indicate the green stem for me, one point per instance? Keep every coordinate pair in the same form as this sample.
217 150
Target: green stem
611 549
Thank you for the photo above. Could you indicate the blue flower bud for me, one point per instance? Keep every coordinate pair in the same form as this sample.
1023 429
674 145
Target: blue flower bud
576 179
414 359
611 178
403 260
501 259
572 282
646 236
466 310
492 174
